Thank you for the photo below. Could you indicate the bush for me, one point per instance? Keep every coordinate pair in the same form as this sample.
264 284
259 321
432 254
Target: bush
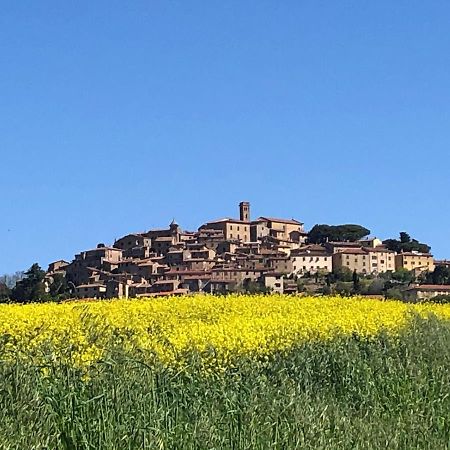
440 299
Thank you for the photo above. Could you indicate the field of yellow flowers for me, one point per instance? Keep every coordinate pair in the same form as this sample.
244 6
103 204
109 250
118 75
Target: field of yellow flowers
220 329
236 372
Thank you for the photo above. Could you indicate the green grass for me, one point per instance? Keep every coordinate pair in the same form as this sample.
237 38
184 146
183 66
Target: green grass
349 393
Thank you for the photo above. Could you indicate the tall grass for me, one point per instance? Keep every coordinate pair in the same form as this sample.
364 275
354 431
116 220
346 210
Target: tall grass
348 393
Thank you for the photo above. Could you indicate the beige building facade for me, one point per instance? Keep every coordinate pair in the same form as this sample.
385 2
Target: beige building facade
232 229
311 262
416 261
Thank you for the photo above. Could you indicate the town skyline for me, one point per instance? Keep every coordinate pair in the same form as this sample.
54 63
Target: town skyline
92 241
243 253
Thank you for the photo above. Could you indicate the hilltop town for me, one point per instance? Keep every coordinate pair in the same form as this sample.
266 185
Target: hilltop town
266 254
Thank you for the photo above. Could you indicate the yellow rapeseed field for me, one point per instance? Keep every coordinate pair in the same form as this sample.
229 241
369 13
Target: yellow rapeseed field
220 329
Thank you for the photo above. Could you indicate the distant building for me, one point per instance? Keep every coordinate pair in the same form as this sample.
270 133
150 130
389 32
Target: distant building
419 262
354 259
283 229
425 292
230 228
131 241
57 266
311 259
273 282
365 260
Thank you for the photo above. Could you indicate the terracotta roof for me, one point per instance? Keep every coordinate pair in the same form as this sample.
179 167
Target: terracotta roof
274 219
102 248
197 277
130 235
236 269
425 255
351 251
187 272
312 253
377 250
164 282
344 244
227 219
430 287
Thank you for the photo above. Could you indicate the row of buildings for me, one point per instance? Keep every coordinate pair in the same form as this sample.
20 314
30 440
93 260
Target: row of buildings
222 256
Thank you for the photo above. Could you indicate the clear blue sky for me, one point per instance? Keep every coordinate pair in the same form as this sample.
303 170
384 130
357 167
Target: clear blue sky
118 116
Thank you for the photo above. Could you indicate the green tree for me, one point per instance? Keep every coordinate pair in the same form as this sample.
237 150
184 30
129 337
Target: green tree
343 274
406 244
403 275
440 299
440 275
320 234
31 288
58 287
404 237
356 282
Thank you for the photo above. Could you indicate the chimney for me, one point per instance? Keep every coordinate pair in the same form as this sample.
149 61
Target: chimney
244 211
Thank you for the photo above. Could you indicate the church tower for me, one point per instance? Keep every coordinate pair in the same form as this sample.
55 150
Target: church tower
244 211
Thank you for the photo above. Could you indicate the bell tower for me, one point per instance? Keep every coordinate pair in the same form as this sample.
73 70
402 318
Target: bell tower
244 211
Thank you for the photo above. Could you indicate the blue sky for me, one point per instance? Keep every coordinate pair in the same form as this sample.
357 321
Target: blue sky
119 116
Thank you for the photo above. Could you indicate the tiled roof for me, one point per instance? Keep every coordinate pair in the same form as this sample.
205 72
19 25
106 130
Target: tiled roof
430 287
351 251
425 255
378 250
227 219
275 219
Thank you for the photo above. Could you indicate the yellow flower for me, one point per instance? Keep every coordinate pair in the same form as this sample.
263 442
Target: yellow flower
219 329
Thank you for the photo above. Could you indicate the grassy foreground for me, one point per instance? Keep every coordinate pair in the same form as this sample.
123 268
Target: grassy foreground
349 391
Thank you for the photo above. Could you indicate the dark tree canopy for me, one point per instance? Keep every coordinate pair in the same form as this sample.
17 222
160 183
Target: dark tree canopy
406 244
440 275
5 292
58 287
320 234
31 287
